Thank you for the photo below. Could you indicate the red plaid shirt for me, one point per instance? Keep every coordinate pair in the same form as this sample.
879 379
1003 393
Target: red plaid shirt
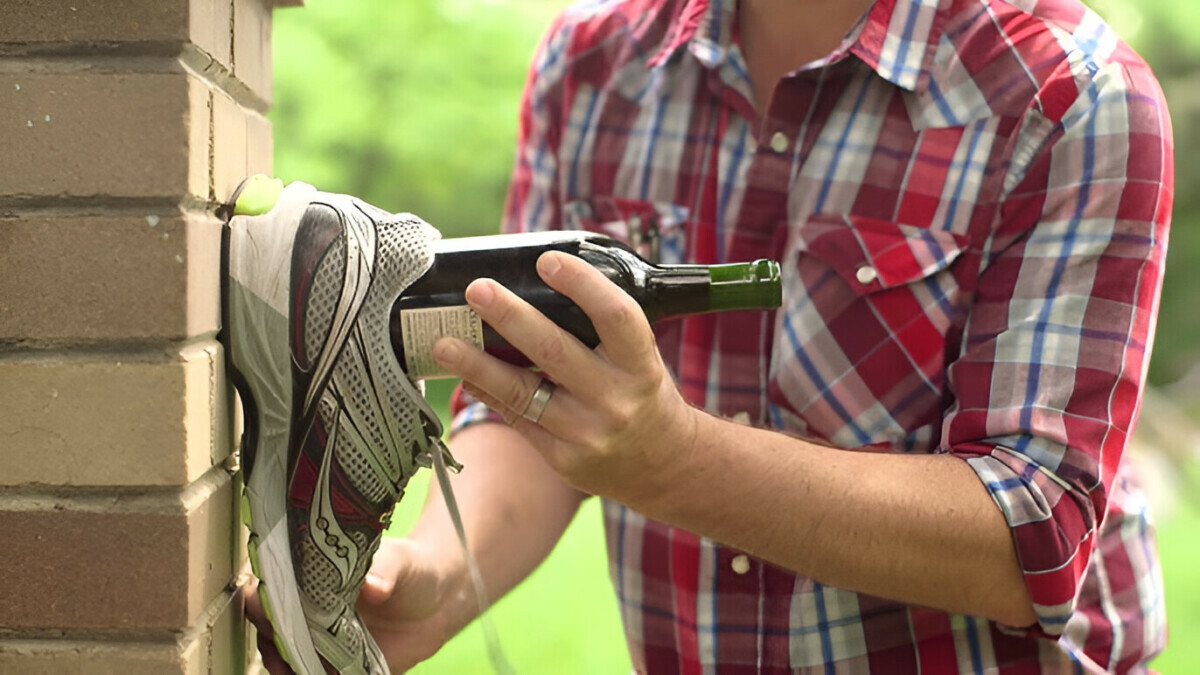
970 199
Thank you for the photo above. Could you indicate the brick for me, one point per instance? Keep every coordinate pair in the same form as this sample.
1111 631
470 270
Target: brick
200 105
71 657
151 274
242 145
229 146
227 646
252 21
116 561
209 28
82 134
260 145
88 420
216 644
205 23
35 21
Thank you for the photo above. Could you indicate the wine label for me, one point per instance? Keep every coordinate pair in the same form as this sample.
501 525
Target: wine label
422 327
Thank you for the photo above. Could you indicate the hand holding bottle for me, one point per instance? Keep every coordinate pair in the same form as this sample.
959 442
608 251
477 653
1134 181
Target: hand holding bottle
616 423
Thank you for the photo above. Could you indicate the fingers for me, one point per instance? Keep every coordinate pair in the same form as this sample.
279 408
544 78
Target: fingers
506 389
381 578
254 609
619 320
272 660
553 350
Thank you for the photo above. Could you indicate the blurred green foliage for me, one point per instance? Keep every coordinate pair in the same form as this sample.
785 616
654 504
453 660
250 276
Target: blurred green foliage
1167 34
412 104
1179 548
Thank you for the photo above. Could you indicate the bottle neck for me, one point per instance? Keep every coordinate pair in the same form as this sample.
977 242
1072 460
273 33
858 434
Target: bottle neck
698 289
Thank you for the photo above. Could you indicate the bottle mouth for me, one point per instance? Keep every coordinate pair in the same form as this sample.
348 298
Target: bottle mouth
766 271
758 283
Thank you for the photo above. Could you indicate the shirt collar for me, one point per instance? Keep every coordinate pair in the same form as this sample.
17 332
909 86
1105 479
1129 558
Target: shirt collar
899 39
896 38
705 27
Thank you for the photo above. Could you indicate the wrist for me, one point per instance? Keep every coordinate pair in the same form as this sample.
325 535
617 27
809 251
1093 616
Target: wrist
450 579
657 485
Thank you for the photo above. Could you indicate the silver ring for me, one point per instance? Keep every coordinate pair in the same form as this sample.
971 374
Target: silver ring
539 401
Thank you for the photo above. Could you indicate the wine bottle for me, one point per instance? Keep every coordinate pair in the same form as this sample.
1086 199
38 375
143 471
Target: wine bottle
434 305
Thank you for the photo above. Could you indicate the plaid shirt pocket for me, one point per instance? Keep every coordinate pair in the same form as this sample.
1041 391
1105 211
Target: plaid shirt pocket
871 254
861 354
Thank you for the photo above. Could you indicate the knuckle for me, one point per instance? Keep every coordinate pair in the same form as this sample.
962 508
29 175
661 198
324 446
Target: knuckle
622 416
653 369
503 312
619 313
516 396
550 349
655 379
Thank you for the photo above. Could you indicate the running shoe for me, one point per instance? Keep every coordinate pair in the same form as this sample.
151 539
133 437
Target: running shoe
333 426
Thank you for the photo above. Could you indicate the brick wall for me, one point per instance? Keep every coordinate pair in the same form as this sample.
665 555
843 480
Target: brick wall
122 124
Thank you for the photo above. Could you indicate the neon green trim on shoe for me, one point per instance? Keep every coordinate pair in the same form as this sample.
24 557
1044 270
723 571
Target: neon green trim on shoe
245 510
257 195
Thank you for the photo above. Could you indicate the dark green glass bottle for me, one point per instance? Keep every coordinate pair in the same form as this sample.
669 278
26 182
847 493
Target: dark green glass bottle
434 305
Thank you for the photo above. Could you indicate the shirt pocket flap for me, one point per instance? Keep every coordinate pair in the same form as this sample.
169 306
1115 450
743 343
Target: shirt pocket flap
655 230
871 254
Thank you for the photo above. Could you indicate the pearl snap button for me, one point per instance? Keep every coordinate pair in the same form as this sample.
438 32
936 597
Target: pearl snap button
779 142
866 274
740 564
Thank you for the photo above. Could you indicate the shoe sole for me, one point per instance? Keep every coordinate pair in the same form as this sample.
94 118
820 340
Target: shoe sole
266 394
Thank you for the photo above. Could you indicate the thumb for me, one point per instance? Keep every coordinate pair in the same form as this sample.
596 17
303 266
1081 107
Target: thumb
386 568
376 590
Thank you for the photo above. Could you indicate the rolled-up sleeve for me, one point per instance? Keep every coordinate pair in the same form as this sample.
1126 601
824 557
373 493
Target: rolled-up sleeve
1054 354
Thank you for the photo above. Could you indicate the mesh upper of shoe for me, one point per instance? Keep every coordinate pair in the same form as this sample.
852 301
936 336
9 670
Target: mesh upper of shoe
368 408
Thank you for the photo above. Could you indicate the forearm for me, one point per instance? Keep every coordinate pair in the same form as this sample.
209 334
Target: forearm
919 529
514 509
915 528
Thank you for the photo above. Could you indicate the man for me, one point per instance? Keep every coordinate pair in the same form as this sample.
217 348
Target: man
914 466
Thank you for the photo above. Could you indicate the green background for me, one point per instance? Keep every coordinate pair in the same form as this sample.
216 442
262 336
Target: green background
412 105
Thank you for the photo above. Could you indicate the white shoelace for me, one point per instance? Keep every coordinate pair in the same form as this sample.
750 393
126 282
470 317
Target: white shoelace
500 663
